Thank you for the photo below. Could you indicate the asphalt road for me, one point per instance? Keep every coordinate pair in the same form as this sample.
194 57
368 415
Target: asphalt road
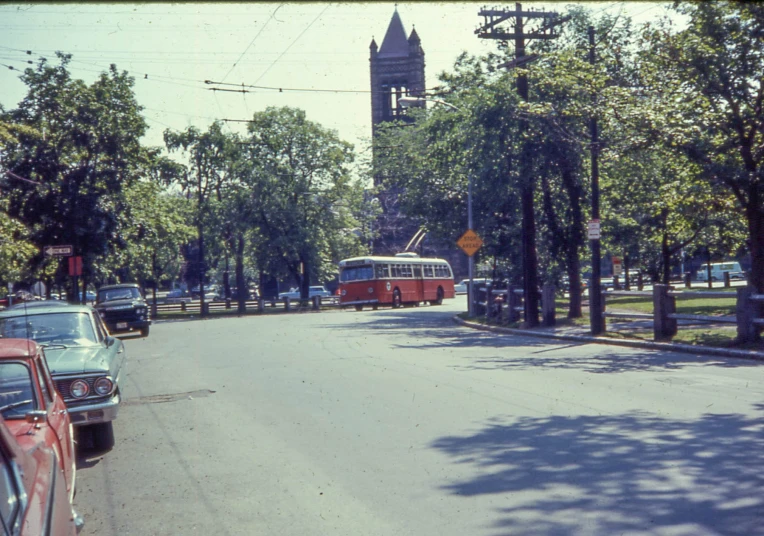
399 422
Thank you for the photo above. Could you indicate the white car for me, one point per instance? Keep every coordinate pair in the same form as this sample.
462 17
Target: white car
718 269
294 292
462 286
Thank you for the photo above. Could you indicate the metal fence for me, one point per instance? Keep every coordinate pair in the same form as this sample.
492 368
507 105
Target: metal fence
251 306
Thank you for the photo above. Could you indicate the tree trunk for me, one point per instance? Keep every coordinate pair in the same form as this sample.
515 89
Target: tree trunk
755 216
666 259
202 305
305 281
665 252
241 284
575 243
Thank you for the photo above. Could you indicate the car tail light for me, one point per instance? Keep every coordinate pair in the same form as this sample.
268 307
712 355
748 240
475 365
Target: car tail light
103 386
79 389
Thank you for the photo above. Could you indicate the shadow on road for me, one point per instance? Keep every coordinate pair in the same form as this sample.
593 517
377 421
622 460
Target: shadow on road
616 474
612 361
436 329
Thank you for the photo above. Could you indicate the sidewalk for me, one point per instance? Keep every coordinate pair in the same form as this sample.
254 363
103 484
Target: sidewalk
583 334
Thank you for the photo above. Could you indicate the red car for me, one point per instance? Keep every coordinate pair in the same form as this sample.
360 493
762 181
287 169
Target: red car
37 435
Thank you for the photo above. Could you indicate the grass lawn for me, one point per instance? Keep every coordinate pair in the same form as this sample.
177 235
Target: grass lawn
719 336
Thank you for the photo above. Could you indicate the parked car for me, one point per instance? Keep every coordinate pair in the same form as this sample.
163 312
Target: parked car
209 292
247 294
718 269
123 308
32 407
36 304
294 292
462 286
85 361
35 499
178 296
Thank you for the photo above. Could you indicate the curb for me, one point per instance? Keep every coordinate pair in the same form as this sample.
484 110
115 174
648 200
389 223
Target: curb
670 346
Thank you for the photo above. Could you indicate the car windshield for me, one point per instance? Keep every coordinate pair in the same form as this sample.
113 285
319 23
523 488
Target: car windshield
118 294
16 392
65 328
356 273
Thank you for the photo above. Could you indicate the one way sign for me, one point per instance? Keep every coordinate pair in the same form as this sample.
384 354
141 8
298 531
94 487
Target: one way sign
58 251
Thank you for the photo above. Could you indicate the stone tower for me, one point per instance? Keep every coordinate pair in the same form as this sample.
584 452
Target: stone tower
397 69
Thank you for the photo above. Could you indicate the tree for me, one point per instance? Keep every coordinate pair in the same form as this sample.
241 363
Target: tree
706 90
211 157
304 192
79 165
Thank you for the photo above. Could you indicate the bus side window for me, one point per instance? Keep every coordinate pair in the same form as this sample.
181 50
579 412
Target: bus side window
382 271
428 270
395 270
418 270
407 270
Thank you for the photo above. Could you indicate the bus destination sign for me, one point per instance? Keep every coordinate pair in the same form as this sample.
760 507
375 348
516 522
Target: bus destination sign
470 242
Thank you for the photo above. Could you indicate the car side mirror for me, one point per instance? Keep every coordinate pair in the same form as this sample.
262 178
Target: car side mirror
35 416
110 340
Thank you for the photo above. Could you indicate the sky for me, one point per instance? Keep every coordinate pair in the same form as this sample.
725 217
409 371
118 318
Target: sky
314 56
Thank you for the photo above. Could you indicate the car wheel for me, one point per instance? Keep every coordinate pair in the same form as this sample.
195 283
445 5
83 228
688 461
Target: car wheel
145 331
396 299
103 436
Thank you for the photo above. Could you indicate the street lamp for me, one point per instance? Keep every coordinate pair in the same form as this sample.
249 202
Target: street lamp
407 102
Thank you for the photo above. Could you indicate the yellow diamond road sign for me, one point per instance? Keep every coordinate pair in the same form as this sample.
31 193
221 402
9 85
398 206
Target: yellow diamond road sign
469 242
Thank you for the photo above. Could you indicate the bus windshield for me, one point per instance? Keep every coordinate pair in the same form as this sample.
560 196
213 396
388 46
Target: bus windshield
357 273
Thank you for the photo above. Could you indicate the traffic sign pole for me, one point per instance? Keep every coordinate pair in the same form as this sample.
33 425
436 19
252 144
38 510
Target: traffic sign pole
470 242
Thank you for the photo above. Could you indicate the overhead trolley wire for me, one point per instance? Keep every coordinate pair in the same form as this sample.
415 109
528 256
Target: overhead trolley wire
253 41
293 42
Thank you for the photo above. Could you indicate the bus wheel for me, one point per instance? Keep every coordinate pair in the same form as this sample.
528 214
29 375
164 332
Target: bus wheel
374 307
396 298
439 299
359 307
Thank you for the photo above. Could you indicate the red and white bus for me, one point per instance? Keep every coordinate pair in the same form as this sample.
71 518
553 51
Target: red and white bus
405 279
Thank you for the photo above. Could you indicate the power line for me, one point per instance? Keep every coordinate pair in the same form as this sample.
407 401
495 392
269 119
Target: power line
282 89
292 43
253 41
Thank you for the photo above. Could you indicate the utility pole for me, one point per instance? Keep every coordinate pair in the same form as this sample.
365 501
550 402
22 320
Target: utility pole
595 291
489 30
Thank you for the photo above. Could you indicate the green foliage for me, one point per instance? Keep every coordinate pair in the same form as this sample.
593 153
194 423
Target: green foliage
705 89
305 196
76 148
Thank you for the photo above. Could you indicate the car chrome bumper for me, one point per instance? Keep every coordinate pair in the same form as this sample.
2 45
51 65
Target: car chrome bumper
87 414
132 325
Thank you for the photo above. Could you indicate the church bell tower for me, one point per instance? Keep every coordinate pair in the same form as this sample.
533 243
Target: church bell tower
397 69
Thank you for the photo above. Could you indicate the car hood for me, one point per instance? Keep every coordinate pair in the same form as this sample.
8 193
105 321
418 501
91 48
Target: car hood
119 304
76 359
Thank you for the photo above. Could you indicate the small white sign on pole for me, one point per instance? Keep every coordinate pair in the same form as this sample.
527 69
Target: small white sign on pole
594 230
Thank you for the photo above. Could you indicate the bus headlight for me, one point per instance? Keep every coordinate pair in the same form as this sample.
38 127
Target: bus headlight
371 290
344 291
